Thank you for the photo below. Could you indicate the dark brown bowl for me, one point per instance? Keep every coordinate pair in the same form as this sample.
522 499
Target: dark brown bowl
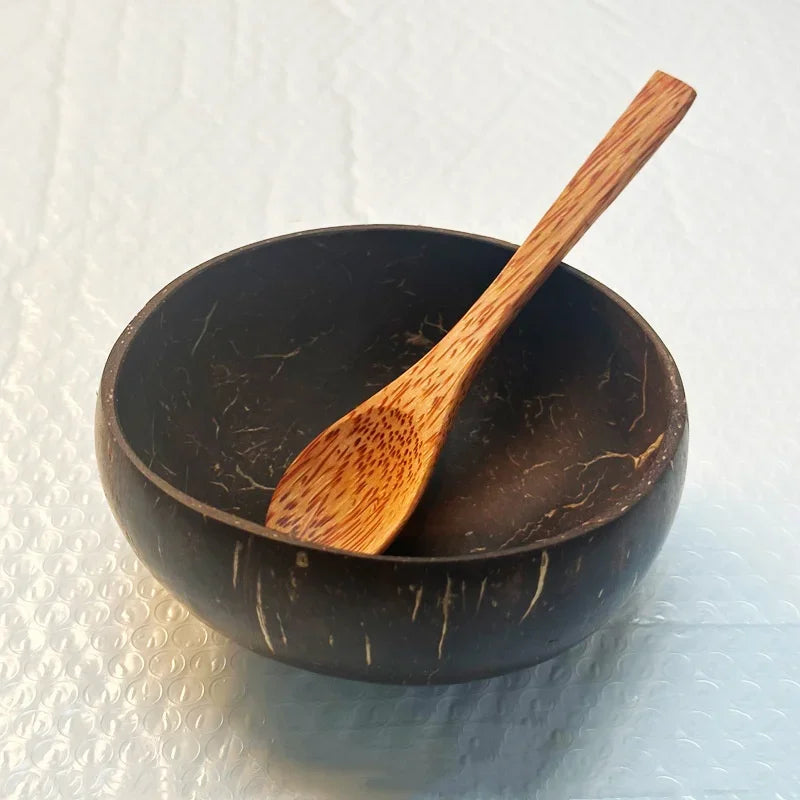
553 494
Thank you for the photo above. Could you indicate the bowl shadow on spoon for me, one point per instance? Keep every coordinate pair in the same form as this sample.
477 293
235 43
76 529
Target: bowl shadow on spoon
320 735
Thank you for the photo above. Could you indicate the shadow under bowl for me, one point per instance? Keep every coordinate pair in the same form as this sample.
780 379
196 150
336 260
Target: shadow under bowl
551 498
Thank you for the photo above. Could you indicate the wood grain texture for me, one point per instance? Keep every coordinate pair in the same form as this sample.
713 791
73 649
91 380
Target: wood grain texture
356 484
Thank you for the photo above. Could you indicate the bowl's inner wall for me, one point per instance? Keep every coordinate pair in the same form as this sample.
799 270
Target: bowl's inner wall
235 372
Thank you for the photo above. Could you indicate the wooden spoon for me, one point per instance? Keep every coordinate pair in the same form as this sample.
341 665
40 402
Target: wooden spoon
356 484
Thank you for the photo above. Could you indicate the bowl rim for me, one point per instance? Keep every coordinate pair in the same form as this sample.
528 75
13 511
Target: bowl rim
647 479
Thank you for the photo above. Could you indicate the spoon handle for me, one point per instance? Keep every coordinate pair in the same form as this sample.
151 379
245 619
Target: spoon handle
624 150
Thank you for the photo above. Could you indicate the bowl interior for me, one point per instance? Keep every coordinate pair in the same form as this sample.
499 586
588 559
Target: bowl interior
235 368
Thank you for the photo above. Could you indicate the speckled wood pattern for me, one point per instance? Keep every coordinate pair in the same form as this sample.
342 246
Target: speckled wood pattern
141 138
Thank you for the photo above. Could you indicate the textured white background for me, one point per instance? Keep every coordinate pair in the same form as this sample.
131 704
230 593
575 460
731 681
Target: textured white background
140 138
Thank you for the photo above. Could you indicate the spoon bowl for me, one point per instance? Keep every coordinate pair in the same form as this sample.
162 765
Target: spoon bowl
377 452
548 503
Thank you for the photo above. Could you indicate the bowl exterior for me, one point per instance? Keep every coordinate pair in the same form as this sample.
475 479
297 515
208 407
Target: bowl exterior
387 620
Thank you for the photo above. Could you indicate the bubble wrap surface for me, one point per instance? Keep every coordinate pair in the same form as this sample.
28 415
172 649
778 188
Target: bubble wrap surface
140 138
